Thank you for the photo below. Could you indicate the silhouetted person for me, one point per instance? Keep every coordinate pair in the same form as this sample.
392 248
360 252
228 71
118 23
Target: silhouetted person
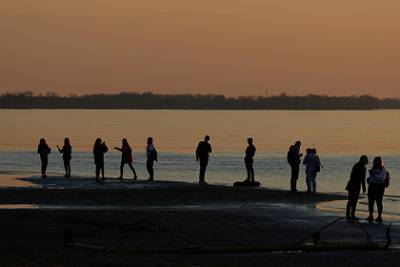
377 181
99 149
294 160
248 159
126 158
356 182
66 150
313 166
44 151
151 155
202 154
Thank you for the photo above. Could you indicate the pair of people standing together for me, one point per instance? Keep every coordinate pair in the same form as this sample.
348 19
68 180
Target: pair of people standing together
312 163
100 148
378 180
44 150
203 153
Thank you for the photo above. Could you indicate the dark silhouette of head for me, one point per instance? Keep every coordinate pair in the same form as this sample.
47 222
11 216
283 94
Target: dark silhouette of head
66 141
378 163
125 142
298 144
314 151
98 142
207 138
42 141
309 151
250 141
149 140
364 160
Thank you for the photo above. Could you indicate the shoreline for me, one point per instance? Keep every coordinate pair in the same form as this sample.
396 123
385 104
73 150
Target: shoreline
158 223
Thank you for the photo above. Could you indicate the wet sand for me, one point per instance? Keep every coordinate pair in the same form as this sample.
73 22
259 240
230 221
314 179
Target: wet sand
169 223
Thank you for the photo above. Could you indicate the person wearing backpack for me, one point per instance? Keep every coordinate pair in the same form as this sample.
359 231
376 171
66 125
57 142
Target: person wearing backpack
151 154
294 160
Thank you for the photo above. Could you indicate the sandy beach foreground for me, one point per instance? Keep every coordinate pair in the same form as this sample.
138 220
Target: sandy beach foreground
178 224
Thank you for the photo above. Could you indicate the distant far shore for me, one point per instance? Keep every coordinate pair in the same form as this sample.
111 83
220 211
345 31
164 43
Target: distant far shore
146 101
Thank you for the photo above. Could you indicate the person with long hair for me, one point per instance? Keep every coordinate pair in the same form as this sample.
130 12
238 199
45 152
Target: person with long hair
66 151
126 158
151 154
99 149
377 181
44 151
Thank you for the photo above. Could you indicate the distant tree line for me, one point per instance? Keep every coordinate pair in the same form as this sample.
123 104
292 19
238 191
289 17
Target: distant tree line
27 100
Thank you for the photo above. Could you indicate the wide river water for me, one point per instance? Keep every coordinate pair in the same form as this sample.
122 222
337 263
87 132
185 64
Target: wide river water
339 136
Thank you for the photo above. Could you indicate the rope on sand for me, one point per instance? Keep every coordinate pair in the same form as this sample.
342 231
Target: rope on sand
194 248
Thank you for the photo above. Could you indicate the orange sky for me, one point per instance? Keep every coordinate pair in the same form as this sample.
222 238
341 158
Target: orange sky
232 47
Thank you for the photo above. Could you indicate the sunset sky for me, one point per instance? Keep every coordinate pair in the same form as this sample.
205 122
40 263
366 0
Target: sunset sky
231 47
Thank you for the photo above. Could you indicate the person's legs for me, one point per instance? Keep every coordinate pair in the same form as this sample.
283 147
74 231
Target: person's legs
294 177
69 167
150 170
44 166
133 170
203 168
352 204
371 201
379 201
314 183
121 170
98 172
349 204
309 178
251 172
66 167
248 171
102 170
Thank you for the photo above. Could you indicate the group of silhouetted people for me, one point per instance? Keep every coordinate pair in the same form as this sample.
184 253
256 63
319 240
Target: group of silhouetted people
377 180
99 149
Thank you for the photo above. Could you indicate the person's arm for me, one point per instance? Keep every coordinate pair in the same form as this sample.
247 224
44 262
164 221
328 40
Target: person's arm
387 182
209 148
60 150
105 148
363 185
117 148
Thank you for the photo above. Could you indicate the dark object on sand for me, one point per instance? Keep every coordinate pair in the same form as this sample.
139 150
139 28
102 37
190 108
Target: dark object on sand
247 183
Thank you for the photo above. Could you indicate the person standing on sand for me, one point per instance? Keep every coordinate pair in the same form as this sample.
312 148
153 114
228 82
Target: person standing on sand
44 151
126 158
377 181
353 187
202 154
294 160
99 149
248 160
151 154
66 150
312 165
